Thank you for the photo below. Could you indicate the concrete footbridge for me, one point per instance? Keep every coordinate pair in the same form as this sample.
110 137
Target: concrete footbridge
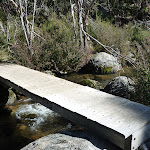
121 121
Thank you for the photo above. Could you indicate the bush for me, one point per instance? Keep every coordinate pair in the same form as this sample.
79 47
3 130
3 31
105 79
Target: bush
141 46
143 86
64 51
109 35
59 51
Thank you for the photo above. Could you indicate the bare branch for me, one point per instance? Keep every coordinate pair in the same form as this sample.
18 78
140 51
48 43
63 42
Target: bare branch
88 9
38 35
107 49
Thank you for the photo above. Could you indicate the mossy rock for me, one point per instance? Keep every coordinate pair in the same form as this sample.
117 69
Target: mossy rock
12 97
101 63
91 83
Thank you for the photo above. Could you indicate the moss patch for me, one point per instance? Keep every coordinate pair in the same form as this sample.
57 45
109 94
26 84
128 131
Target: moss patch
107 70
91 83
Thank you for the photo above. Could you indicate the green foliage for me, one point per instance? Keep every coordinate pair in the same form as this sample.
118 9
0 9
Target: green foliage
110 35
2 40
143 86
91 83
59 51
60 44
3 16
136 34
126 8
146 10
106 70
86 82
141 48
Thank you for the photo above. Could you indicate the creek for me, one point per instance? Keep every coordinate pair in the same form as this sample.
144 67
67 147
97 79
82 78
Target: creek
29 121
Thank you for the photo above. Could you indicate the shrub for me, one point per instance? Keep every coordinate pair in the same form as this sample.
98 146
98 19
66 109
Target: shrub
141 46
59 51
109 35
143 86
64 51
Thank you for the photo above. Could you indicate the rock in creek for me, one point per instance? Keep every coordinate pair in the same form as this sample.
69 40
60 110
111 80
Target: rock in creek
101 63
60 142
12 97
91 83
121 86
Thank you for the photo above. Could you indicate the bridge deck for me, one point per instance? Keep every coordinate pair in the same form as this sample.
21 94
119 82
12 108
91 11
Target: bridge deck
125 123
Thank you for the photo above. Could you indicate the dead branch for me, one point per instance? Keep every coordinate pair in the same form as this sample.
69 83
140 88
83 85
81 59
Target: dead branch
110 49
88 9
38 35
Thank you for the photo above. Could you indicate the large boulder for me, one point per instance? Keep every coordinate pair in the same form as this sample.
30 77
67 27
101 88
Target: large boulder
60 142
101 63
121 86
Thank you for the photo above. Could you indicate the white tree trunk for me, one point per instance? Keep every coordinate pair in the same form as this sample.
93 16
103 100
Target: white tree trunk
32 30
26 18
74 21
22 21
80 3
7 35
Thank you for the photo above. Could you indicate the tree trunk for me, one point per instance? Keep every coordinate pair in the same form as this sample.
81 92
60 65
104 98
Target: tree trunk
85 23
32 30
74 21
22 21
80 3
